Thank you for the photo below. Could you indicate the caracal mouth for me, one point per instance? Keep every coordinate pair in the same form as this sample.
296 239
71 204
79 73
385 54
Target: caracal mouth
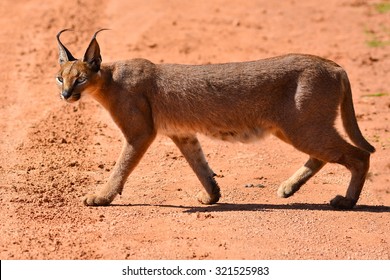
73 98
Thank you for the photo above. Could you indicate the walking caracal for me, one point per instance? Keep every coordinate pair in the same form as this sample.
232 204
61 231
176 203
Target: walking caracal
295 97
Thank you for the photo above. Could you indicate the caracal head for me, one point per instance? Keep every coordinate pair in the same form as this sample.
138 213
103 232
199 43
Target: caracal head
77 76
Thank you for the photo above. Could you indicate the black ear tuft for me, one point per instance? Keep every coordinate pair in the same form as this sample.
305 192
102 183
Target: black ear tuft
64 53
92 56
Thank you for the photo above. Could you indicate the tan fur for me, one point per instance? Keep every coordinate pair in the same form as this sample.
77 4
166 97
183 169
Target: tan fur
295 97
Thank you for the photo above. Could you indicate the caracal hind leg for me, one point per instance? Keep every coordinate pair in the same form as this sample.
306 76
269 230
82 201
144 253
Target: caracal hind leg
192 151
300 177
358 163
329 146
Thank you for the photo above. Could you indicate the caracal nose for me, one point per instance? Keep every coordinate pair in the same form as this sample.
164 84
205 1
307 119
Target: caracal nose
66 94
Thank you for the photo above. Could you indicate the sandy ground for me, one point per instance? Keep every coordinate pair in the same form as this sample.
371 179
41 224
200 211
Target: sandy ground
53 153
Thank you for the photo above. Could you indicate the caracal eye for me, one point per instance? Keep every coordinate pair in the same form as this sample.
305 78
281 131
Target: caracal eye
81 80
59 80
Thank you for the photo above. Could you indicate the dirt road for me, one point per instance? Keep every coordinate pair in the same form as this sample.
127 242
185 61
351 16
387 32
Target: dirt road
52 153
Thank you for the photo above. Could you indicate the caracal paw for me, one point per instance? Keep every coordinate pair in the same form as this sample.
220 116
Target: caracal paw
343 203
205 198
95 200
286 190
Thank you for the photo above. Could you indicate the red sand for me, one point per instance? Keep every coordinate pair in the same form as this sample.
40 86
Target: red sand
52 153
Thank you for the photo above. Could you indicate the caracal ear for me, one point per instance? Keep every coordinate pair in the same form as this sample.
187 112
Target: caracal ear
64 53
92 56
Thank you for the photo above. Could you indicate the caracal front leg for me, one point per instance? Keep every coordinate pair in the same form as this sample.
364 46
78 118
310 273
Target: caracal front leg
192 151
130 156
300 177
